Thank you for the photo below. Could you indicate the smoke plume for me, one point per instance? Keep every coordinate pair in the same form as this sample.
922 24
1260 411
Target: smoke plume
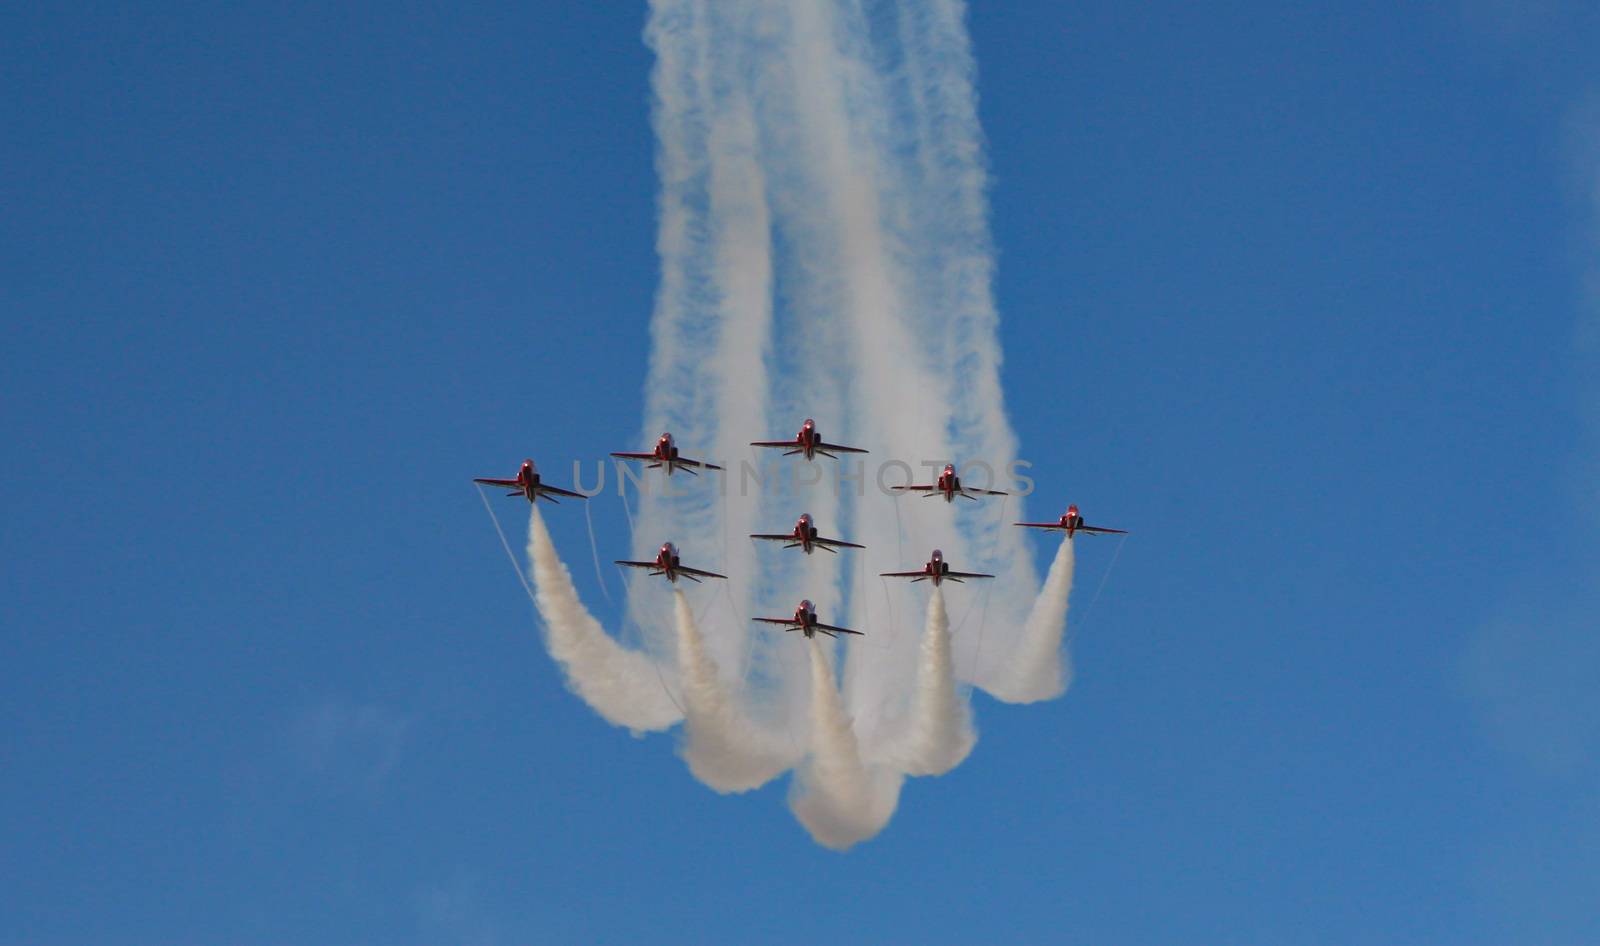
623 686
825 253
1039 669
941 734
723 748
837 797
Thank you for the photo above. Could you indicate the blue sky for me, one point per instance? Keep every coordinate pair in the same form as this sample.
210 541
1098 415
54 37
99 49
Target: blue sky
1295 294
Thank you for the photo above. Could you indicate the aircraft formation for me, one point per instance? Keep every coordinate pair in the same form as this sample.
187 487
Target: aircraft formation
805 535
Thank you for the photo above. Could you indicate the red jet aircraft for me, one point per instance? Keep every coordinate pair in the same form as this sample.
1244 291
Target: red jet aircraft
1071 523
809 442
666 454
805 621
938 569
528 485
666 564
805 537
949 486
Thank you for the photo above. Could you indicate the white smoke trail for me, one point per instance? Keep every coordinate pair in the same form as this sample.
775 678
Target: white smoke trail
721 745
713 323
622 685
894 298
809 370
836 797
825 252
948 217
941 729
1040 669
829 156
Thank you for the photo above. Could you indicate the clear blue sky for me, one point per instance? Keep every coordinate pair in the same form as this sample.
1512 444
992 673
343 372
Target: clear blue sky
1295 294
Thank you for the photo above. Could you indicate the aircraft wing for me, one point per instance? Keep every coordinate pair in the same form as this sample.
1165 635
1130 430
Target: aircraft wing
789 623
985 492
704 466
695 571
839 542
1039 525
775 537
913 575
778 444
508 484
966 575
634 456
638 564
915 489
836 630
835 447
560 492
1099 530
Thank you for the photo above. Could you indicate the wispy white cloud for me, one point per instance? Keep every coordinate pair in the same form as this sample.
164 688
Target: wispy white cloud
1583 149
345 745
1533 667
1534 671
454 912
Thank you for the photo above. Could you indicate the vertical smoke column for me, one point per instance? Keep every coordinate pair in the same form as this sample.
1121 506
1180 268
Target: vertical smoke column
1039 669
946 209
810 371
825 252
837 798
711 329
840 116
622 685
941 733
722 747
